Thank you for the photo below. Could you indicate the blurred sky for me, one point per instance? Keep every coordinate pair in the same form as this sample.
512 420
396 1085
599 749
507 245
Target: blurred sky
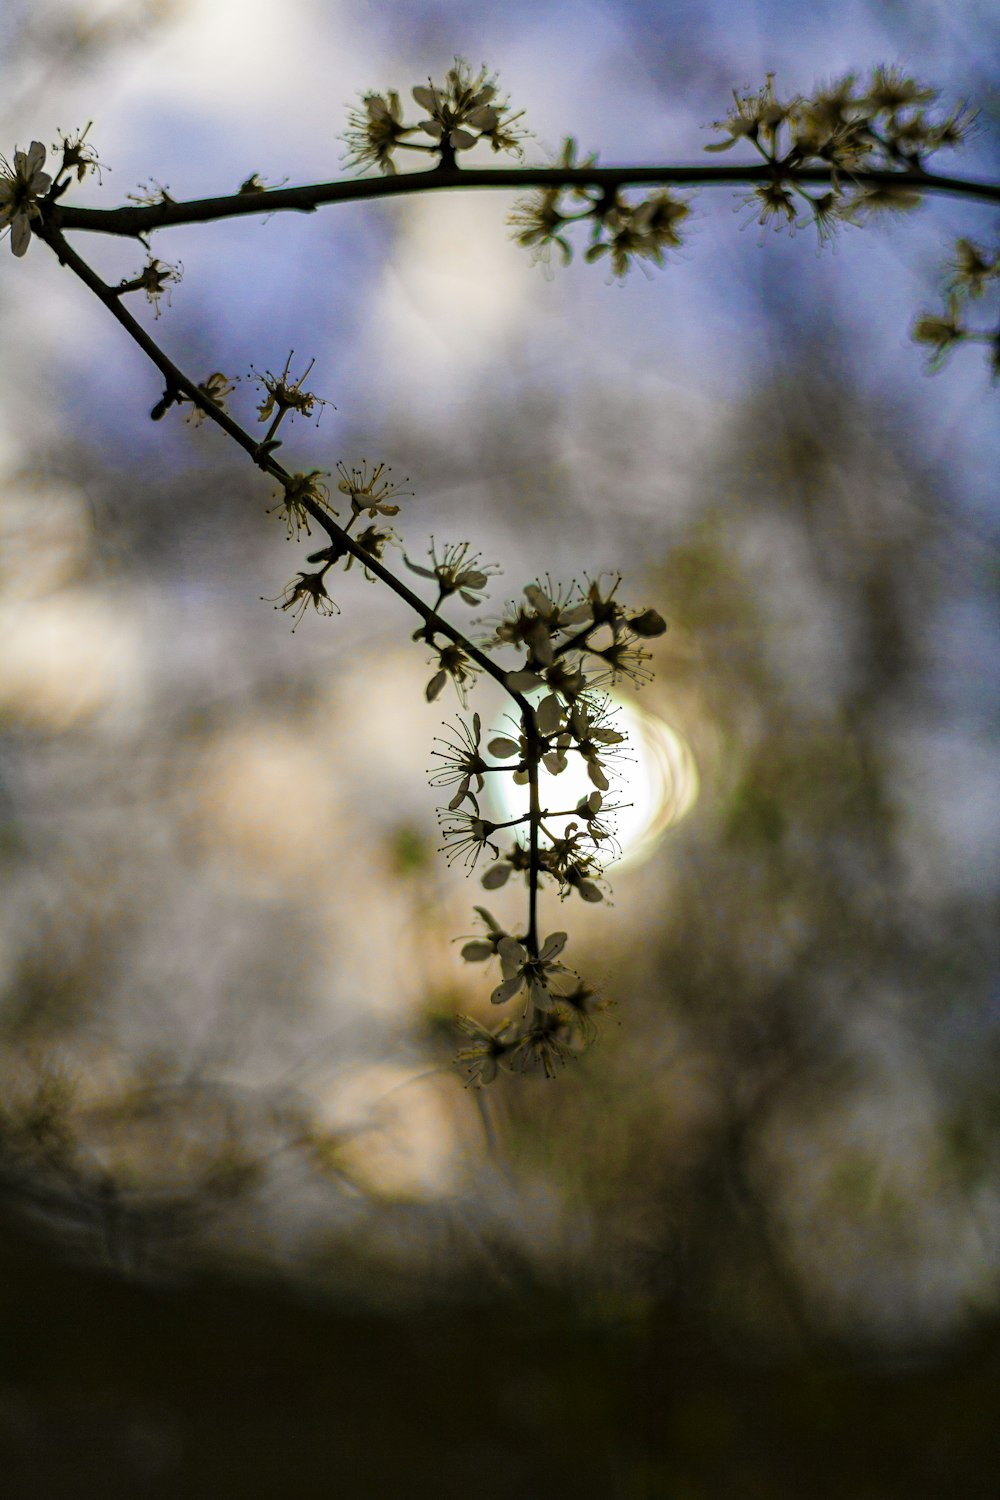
431 331
559 423
421 309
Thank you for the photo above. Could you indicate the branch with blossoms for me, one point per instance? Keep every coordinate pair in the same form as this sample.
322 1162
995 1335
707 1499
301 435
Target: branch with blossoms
832 161
972 274
852 152
569 647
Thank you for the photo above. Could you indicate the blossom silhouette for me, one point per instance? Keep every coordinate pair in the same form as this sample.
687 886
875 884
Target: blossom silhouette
21 186
487 1052
455 572
374 131
299 491
462 762
523 972
369 491
306 589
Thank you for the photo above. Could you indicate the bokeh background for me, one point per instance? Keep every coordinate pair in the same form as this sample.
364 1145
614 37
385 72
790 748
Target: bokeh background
258 1238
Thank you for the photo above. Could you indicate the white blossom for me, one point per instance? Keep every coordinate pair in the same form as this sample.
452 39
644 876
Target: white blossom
21 186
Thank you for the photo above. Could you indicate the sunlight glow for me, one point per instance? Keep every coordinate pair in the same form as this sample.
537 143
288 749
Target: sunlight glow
654 784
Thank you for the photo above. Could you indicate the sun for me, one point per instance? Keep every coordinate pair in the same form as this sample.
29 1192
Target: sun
655 785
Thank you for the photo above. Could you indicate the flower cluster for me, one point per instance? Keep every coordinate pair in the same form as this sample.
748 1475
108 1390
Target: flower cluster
971 273
548 1042
626 231
459 113
24 185
560 634
884 124
539 220
467 109
302 495
570 641
574 642
559 1010
630 233
864 142
573 859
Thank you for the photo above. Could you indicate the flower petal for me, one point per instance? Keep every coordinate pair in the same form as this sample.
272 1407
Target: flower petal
649 623
538 598
477 951
503 747
506 991
548 715
513 955
20 234
539 993
460 795
541 643
524 682
597 776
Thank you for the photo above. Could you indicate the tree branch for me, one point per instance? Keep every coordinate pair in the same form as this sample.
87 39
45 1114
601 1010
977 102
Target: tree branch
177 381
143 219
